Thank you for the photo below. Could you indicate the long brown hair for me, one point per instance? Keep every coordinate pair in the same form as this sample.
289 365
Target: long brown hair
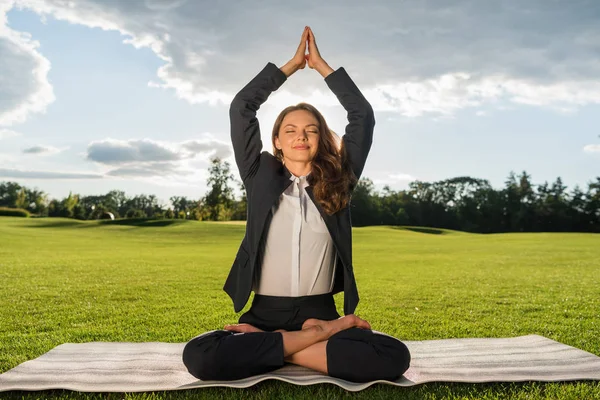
331 176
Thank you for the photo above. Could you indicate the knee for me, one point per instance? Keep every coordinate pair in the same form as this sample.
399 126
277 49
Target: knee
393 357
200 358
363 356
398 357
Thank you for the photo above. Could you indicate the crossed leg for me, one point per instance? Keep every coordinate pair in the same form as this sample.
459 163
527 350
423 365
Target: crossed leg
345 348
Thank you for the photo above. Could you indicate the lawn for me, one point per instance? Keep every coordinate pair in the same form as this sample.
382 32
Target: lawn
78 281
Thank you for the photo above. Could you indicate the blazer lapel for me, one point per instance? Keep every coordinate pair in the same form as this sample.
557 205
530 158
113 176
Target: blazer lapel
280 180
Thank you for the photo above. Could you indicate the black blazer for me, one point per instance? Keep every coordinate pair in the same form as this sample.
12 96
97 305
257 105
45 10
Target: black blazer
265 178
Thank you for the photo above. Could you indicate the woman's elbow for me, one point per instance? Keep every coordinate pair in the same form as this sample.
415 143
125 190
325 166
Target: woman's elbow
235 104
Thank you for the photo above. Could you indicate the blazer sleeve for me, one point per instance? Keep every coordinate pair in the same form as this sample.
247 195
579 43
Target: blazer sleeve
361 119
245 130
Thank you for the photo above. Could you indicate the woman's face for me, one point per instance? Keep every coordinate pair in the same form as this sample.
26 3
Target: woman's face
298 136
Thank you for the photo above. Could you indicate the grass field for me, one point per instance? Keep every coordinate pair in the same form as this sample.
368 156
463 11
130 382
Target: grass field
79 281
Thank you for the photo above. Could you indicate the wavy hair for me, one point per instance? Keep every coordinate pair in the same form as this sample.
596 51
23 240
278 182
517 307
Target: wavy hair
331 176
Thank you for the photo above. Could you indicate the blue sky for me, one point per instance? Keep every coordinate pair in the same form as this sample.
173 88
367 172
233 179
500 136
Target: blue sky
134 95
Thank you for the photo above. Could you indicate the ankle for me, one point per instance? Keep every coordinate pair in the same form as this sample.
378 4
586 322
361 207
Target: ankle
318 332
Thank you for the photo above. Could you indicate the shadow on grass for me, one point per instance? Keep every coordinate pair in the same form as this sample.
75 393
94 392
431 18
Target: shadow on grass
137 222
419 229
57 224
142 222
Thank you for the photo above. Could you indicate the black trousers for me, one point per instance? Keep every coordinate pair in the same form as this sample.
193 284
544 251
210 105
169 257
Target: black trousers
355 354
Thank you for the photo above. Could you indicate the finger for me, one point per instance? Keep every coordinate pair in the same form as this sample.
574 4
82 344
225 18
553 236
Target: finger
235 328
302 45
312 44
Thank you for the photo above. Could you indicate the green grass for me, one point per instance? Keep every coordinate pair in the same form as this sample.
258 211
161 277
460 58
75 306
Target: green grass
79 281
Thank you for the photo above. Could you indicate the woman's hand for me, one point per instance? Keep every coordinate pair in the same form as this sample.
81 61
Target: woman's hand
299 58
245 328
313 57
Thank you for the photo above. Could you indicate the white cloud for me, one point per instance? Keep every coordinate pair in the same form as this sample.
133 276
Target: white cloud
150 170
452 92
214 148
162 5
7 133
24 86
445 57
115 152
392 179
150 158
25 174
592 148
402 177
42 150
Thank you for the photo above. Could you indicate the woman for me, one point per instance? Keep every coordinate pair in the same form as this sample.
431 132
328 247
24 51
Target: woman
297 249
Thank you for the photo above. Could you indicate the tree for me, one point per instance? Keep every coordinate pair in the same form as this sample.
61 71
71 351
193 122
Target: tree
219 200
462 203
182 204
9 193
67 205
362 203
135 213
38 202
21 200
240 208
576 209
592 207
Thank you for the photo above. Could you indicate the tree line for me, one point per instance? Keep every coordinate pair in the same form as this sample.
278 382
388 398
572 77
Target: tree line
219 204
461 203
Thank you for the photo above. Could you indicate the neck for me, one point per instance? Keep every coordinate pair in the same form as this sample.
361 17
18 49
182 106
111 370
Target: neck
298 168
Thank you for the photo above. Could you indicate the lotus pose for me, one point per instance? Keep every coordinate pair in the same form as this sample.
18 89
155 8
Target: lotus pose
297 250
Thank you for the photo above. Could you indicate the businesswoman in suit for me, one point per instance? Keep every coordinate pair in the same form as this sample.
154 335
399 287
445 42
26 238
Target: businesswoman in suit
297 250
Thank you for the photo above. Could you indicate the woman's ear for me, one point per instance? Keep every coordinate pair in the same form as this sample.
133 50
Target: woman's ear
277 143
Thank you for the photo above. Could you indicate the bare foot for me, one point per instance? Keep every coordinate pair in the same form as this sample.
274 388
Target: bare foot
356 321
312 322
335 326
244 328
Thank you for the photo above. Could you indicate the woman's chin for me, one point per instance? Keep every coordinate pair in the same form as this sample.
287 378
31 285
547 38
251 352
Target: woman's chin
301 158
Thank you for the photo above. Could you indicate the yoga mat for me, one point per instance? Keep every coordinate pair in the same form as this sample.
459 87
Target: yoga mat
140 367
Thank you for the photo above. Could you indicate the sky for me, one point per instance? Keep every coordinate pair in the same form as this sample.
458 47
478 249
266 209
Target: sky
97 95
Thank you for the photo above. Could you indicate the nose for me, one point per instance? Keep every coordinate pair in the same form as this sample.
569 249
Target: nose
302 136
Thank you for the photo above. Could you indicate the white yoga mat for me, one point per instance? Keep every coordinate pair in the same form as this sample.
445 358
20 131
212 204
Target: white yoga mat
140 367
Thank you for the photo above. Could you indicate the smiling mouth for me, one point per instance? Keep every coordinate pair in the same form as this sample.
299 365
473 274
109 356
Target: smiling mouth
301 148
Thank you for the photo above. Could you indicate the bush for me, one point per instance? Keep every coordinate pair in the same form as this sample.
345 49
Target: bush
14 212
135 213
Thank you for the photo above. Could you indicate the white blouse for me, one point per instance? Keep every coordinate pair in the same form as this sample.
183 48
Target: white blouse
299 256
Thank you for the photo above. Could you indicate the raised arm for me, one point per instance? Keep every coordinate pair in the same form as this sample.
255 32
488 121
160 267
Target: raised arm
361 119
245 129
